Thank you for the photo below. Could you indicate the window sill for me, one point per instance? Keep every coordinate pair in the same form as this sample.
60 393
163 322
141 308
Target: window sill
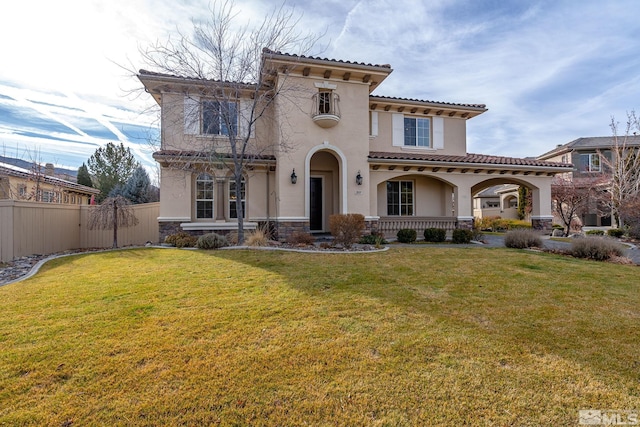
213 225
412 148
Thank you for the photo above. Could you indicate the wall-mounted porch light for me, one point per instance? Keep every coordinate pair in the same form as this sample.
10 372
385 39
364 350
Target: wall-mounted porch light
359 178
294 177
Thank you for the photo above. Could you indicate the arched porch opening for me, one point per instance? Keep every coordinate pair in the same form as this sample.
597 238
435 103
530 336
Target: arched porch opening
323 189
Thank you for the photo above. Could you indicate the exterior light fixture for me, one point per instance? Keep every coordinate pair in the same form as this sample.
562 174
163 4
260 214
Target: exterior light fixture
294 177
359 178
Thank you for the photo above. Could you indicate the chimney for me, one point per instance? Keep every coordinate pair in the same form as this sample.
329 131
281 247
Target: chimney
48 169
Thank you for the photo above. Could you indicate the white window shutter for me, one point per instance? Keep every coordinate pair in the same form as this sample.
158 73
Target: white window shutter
438 133
191 115
397 125
374 123
244 116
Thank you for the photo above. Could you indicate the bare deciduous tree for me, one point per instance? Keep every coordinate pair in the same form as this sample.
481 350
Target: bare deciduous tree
225 63
623 167
573 197
112 213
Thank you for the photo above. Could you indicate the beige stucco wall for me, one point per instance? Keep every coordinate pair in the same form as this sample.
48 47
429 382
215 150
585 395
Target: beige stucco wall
455 136
347 142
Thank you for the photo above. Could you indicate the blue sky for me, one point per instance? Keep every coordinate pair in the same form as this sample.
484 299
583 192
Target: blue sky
549 71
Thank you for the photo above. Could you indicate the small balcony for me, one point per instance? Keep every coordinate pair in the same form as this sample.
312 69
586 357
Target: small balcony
326 109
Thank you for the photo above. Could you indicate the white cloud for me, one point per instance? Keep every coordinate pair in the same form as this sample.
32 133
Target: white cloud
549 71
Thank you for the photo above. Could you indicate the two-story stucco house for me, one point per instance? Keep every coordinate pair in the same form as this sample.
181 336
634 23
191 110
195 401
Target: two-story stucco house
402 163
590 155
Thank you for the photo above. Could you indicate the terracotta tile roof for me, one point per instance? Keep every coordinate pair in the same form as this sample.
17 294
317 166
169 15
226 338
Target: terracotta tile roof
148 73
339 61
592 143
10 170
468 159
450 104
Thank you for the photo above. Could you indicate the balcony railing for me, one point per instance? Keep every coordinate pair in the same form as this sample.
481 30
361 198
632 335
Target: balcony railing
326 109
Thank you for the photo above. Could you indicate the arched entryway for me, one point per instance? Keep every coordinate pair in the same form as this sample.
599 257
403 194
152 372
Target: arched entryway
323 189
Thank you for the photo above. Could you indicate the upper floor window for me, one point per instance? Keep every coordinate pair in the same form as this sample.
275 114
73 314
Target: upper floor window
417 132
219 118
204 196
590 162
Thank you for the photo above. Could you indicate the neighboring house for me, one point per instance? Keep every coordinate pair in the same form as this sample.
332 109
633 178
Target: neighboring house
587 155
39 185
399 162
499 200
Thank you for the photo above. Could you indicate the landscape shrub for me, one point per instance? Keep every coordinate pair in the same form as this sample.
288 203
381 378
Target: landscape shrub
407 235
258 237
521 239
596 249
375 238
634 231
496 223
594 233
486 223
181 240
461 235
435 235
298 238
615 232
346 229
211 241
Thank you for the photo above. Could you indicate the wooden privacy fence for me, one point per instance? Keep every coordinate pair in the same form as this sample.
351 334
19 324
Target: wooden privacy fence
28 228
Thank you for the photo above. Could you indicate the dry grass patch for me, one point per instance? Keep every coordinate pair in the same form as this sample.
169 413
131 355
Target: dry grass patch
412 336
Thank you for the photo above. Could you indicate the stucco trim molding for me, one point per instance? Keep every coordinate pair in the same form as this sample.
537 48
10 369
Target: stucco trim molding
173 219
291 219
217 226
342 164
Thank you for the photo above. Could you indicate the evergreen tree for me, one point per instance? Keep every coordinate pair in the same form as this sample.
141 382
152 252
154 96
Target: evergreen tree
83 177
111 165
138 186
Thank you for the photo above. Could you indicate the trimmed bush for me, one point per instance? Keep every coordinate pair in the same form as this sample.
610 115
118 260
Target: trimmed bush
596 249
375 238
212 241
615 232
461 235
346 229
594 233
407 235
298 238
181 240
521 239
435 234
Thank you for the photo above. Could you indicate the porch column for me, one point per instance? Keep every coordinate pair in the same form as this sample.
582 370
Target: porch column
463 206
541 212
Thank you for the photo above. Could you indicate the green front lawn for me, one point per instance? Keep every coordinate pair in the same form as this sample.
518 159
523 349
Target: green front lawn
412 336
